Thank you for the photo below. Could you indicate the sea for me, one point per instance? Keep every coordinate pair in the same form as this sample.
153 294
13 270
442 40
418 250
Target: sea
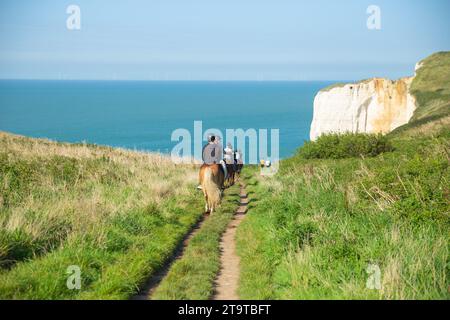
143 115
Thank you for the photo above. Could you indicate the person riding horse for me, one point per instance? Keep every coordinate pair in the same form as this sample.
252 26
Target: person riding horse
213 175
229 154
212 154
230 161
238 160
212 151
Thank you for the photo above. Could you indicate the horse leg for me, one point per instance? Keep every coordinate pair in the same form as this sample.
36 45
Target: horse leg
206 201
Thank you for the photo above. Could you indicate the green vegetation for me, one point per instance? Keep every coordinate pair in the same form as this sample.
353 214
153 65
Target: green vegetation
333 86
339 206
348 145
116 214
192 277
342 84
431 89
315 228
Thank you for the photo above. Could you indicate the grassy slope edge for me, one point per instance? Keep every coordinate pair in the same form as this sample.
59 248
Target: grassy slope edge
116 214
431 89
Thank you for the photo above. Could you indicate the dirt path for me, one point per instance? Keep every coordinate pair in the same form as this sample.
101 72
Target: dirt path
227 281
153 283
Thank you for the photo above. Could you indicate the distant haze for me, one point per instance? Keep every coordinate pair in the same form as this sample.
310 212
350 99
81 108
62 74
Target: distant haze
218 40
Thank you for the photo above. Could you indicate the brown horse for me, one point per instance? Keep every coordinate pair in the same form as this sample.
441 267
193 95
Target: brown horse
231 178
234 173
211 179
237 174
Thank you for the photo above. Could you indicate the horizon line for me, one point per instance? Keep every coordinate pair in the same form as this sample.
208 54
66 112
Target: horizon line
178 80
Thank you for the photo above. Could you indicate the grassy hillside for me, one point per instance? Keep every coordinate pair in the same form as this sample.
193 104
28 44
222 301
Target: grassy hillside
431 89
320 227
114 213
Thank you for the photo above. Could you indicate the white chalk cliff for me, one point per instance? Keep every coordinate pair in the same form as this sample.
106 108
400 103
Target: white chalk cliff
371 106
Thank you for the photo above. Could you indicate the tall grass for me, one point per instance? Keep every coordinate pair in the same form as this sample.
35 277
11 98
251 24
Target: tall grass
332 211
115 213
319 224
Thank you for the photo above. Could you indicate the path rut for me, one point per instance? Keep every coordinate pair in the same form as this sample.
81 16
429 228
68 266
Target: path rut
149 288
227 282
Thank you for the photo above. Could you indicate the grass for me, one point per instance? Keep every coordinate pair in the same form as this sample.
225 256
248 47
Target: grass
342 84
192 277
116 214
315 229
431 89
312 231
319 224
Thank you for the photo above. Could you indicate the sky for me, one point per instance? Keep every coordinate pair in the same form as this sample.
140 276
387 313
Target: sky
219 39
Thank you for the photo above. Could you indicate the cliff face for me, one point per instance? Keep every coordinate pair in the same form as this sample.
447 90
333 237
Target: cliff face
372 106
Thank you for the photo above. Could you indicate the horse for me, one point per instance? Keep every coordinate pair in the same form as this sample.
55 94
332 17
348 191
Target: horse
231 176
234 173
212 178
237 174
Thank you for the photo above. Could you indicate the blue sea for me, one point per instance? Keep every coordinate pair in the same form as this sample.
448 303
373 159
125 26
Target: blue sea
142 115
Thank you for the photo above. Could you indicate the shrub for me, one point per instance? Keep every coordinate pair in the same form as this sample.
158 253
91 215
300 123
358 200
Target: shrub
416 185
347 145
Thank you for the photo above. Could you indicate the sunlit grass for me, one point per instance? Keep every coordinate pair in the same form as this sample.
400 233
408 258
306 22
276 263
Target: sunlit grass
115 213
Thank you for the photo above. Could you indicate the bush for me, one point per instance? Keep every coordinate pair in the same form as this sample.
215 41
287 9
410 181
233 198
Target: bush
347 145
415 184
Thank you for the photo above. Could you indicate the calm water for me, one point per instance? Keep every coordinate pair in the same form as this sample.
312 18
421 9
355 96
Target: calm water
142 115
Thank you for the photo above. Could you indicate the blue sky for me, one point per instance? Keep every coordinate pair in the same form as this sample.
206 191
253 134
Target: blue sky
219 39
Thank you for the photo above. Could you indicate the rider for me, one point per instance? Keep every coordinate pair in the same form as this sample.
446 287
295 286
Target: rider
239 157
229 158
212 153
229 154
220 159
237 161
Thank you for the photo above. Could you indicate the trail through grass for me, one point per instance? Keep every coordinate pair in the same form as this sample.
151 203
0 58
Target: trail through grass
192 277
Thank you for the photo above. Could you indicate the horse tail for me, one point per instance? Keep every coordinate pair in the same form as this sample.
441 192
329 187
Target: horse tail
211 188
